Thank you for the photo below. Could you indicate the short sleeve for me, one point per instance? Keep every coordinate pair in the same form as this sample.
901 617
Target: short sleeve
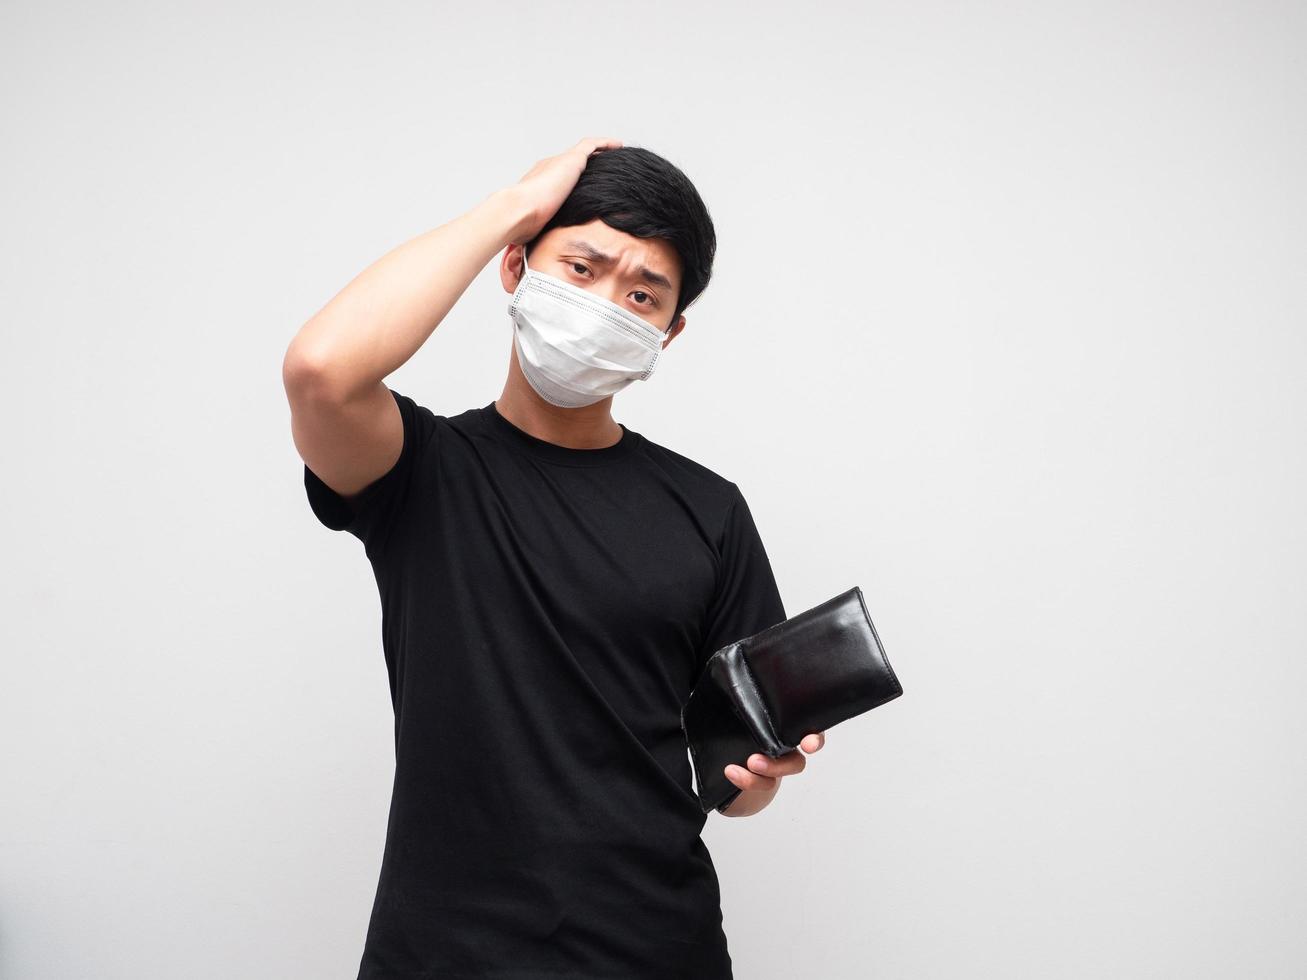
384 503
746 598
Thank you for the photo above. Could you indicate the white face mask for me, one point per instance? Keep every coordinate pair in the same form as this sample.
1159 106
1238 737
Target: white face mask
574 347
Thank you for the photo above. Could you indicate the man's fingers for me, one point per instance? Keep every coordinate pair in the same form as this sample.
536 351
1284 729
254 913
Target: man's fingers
786 765
763 771
813 741
747 780
592 143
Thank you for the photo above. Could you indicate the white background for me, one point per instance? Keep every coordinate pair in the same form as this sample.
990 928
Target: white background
1007 328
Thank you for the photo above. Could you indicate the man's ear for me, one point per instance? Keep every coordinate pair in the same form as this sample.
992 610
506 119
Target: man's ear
511 267
672 334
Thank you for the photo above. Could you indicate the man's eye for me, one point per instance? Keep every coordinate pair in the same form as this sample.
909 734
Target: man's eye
580 269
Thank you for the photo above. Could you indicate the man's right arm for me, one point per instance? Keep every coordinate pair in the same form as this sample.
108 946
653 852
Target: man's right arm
344 421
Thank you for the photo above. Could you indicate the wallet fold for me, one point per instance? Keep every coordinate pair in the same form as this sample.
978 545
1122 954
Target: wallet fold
764 692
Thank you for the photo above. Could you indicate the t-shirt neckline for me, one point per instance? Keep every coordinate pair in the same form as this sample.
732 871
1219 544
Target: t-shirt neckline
525 442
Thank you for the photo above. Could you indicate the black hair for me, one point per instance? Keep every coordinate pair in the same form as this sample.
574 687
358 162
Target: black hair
639 192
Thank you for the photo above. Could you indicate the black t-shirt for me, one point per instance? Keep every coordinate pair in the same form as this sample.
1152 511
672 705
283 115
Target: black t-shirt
545 611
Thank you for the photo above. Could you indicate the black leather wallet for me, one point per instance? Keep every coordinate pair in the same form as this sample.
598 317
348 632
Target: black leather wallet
765 692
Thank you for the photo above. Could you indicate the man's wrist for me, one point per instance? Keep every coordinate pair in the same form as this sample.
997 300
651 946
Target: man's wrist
510 214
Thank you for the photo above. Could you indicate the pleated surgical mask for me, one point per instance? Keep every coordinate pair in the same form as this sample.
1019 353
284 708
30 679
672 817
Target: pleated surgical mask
575 347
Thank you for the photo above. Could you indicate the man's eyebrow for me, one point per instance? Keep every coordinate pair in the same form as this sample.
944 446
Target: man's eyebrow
594 255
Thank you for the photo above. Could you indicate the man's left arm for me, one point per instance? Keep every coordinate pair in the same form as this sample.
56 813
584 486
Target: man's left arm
747 600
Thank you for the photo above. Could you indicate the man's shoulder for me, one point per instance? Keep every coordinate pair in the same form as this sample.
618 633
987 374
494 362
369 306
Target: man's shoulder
689 472
463 420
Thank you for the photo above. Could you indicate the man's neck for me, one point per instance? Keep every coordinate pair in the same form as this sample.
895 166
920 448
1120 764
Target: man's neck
587 427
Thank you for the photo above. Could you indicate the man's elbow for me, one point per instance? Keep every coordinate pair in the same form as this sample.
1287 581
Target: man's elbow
310 374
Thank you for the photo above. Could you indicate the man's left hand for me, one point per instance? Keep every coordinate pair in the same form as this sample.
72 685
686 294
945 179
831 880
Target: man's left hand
760 781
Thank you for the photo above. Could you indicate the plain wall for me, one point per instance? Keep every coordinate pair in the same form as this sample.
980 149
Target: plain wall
1007 328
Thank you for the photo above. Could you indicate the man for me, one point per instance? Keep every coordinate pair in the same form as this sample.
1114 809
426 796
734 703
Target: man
551 582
